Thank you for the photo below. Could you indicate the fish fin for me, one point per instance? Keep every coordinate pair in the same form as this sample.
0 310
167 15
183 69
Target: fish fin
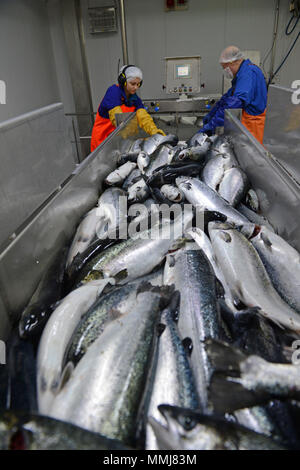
220 291
245 317
226 394
267 316
187 344
160 329
267 242
224 357
65 376
166 292
174 305
172 261
121 275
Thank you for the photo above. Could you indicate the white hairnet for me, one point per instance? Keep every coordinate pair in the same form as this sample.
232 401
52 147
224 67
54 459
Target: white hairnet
230 54
132 72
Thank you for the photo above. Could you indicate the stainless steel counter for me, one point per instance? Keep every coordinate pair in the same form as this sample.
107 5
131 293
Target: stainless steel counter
278 192
282 129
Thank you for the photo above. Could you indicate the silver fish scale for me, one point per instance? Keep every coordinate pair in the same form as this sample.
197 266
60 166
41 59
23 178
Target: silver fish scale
107 308
199 315
173 382
107 384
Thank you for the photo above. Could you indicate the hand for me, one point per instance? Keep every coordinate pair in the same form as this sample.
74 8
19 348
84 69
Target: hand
205 130
159 131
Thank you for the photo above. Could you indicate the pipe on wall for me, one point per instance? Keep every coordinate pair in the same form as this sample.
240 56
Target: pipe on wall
123 33
274 40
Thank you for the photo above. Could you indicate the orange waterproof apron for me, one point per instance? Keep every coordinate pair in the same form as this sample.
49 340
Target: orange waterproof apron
255 124
103 127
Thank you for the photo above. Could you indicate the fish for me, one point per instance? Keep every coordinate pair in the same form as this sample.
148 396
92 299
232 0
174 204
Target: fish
138 255
141 211
222 145
240 381
197 153
205 245
139 191
112 211
214 170
104 390
152 143
108 307
94 249
173 380
137 145
190 430
253 334
118 176
234 186
47 293
253 217
282 263
198 139
192 275
29 431
167 174
249 280
132 178
162 156
252 200
127 157
203 197
56 336
143 161
85 234
171 192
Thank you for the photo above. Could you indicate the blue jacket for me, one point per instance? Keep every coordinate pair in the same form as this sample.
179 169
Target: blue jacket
115 96
248 91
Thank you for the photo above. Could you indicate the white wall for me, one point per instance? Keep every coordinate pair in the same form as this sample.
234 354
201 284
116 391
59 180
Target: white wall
27 63
204 29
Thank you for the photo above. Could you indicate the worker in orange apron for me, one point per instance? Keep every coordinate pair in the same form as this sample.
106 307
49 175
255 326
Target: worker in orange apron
122 98
248 92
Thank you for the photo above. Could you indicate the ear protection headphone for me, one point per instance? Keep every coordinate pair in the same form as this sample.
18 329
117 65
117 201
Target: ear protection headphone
122 80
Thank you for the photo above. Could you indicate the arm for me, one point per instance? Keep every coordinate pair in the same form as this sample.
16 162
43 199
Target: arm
146 122
112 114
231 102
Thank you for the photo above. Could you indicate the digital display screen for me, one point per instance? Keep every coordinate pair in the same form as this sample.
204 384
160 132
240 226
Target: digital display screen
183 71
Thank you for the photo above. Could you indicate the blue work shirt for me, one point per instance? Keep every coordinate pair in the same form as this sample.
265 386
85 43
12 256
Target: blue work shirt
248 91
115 96
249 85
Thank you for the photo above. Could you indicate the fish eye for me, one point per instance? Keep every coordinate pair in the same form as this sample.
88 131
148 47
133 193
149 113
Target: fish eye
187 422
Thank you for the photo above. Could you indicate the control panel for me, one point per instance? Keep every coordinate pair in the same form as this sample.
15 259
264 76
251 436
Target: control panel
183 75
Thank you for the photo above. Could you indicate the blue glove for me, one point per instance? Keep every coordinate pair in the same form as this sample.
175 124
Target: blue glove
205 119
207 129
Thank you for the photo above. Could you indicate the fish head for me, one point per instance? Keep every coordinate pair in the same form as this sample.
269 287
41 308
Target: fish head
185 430
216 225
183 183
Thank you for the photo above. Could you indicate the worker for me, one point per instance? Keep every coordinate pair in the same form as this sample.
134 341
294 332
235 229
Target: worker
122 98
248 92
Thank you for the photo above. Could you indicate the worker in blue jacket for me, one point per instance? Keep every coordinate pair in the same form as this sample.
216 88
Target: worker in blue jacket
248 92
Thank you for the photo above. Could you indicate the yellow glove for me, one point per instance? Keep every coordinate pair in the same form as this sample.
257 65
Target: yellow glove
146 122
112 114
